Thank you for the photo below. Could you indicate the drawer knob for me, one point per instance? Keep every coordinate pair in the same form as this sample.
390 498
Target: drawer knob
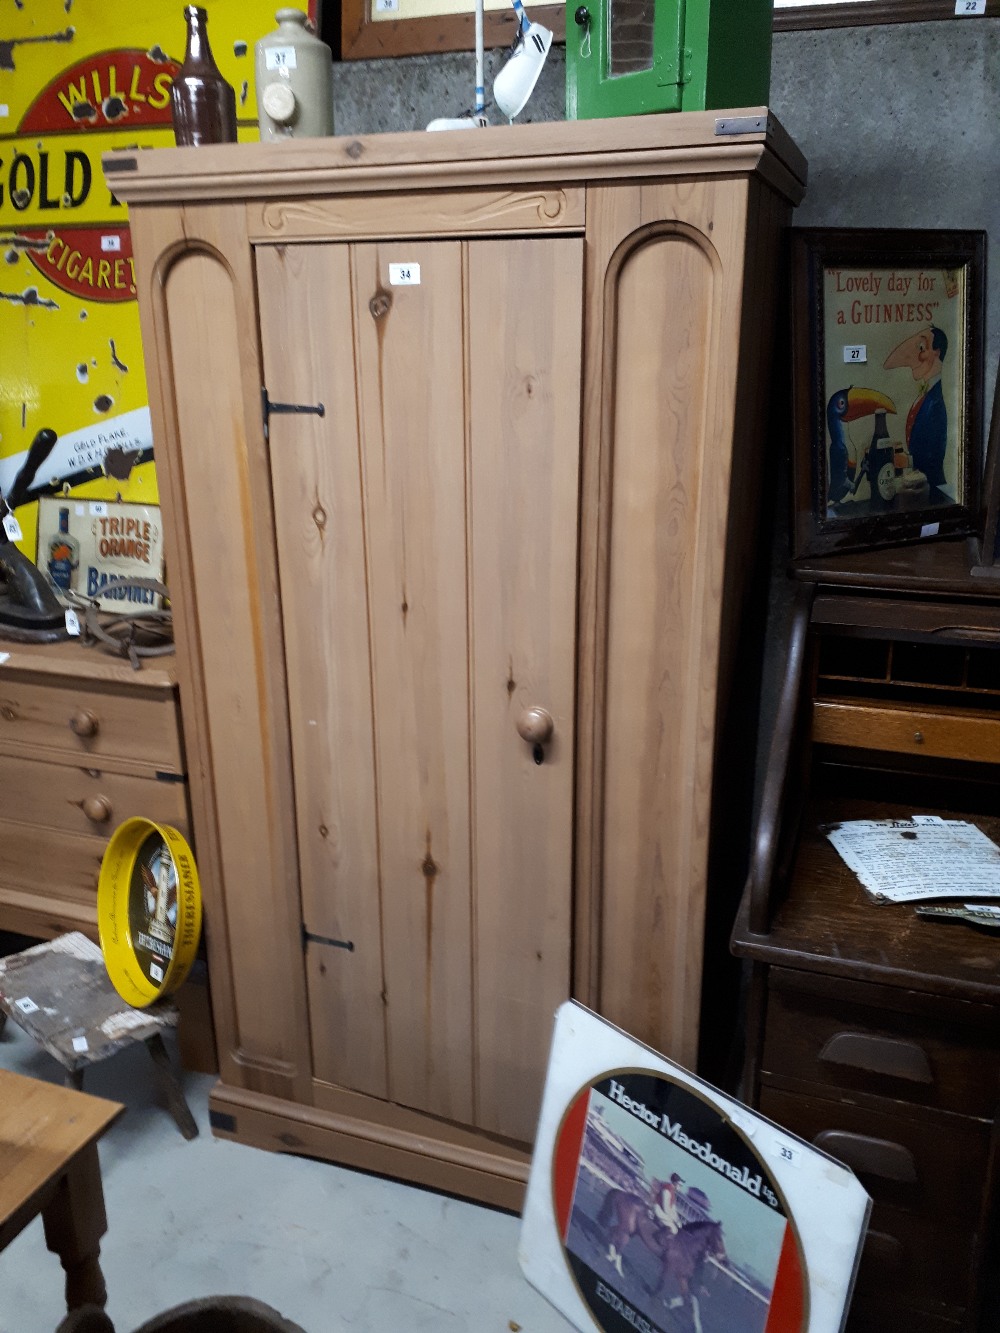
535 726
85 723
918 738
878 1055
97 809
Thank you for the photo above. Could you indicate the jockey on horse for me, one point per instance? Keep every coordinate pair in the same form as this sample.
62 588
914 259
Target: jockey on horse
664 1198
662 1212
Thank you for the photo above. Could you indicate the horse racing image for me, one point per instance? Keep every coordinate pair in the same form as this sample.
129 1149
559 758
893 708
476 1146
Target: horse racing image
675 1224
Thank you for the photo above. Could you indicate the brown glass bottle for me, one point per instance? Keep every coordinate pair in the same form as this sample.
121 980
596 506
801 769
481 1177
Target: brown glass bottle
203 104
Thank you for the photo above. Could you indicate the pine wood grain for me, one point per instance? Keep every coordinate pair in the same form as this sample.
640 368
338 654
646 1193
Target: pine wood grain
199 314
75 725
473 212
53 796
43 1126
524 367
374 1136
34 912
319 523
612 214
50 867
674 374
49 1166
133 731
617 148
413 454
666 299
72 661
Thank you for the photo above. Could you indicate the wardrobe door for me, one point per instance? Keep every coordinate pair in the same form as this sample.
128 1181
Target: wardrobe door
524 368
305 303
427 536
411 409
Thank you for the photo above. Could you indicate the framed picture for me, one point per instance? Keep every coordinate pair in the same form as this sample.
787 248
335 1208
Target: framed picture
370 29
374 28
887 357
642 1172
991 525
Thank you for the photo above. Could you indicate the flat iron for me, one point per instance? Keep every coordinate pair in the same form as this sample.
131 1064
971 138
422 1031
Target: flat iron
30 612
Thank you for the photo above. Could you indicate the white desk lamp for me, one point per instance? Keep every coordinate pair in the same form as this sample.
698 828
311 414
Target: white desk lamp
516 81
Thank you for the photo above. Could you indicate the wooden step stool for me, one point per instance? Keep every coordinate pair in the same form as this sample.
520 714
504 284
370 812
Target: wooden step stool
59 992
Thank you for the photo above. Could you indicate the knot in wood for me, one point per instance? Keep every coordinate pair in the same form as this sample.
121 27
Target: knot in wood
380 304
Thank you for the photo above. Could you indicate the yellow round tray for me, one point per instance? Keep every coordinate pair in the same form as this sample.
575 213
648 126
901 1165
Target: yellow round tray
148 910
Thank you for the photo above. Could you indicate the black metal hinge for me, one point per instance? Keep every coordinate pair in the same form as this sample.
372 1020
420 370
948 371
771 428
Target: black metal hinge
743 124
268 409
309 938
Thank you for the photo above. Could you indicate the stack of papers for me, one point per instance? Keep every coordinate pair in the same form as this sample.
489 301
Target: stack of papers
902 860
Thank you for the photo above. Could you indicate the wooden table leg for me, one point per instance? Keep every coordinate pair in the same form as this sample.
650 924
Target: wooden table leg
75 1220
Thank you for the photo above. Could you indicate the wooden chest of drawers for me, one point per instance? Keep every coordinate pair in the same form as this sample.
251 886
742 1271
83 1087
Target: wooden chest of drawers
85 743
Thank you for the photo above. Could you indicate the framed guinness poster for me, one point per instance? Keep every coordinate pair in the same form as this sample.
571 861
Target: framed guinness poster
887 350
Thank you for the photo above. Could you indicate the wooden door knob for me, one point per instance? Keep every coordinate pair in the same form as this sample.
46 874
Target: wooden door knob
85 723
98 809
535 726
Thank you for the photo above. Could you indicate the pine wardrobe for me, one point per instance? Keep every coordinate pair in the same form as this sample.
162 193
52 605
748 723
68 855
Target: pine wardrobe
461 439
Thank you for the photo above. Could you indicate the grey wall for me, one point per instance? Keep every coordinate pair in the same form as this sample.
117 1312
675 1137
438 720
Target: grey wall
901 123
375 96
901 127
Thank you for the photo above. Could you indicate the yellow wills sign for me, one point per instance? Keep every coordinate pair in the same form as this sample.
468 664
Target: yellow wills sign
77 78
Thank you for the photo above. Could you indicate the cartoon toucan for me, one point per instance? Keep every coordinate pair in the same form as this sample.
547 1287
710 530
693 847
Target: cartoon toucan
849 405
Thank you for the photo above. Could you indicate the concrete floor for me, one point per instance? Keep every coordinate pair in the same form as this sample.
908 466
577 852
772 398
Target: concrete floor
329 1248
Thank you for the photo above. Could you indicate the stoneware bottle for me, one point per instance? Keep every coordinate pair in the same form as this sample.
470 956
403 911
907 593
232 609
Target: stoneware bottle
294 72
203 104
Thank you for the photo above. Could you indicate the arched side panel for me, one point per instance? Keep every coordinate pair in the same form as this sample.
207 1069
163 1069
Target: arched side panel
671 330
233 695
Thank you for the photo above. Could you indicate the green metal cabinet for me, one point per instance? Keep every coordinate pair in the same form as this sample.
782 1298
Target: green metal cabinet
625 57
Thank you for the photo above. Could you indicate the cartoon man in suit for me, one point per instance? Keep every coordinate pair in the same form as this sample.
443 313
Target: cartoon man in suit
927 421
